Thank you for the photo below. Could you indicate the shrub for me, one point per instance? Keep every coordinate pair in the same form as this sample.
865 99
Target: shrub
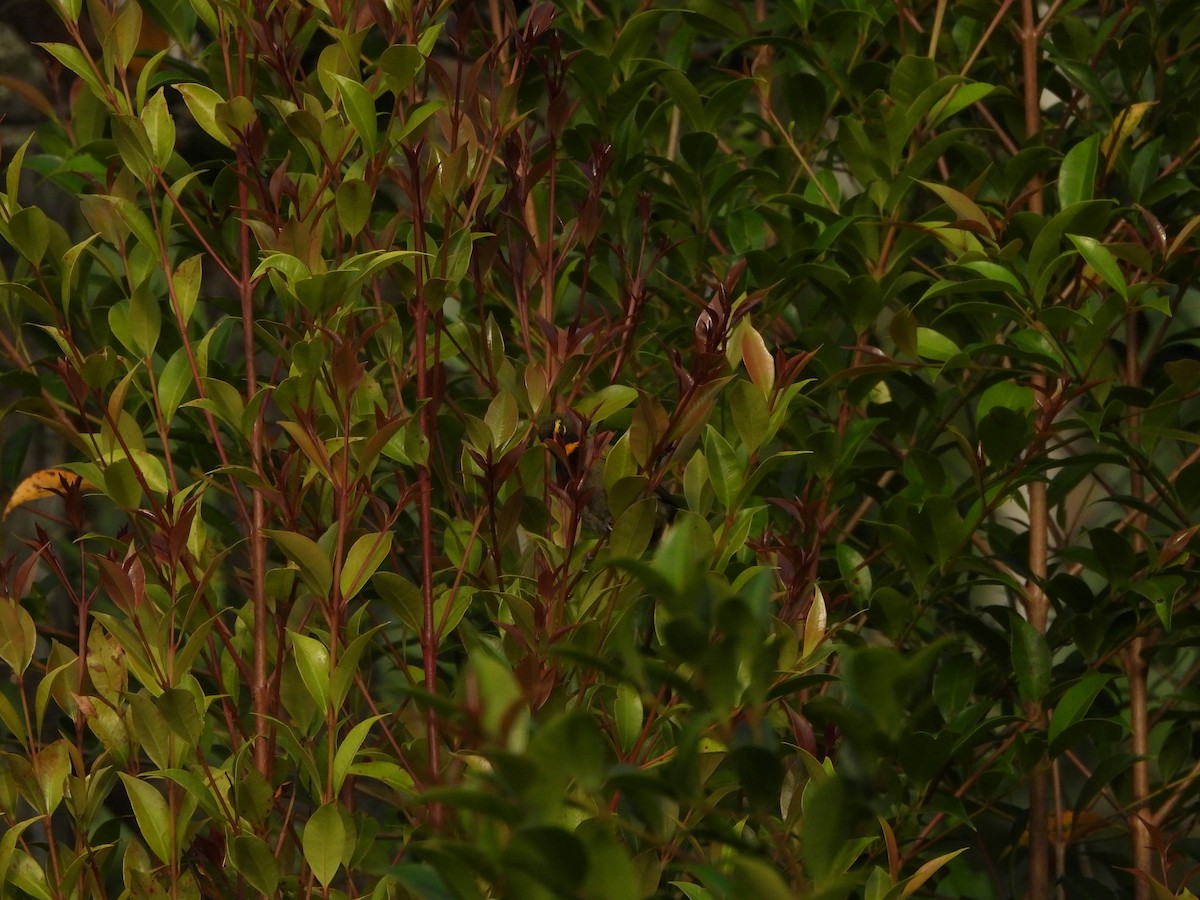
703 451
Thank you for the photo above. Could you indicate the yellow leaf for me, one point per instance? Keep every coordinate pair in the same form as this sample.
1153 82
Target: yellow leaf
1122 127
45 483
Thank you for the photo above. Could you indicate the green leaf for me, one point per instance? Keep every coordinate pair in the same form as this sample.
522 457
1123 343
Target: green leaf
53 765
760 879
324 843
824 825
400 63
359 106
499 693
26 875
42 699
960 98
133 144
1019 398
8 843
348 749
628 715
235 116
501 418
693 891
646 428
607 401
174 384
751 417
314 563
364 558
610 871
403 598
995 272
1075 703
962 206
954 683
1102 261
145 320
633 529
152 732
152 815
12 720
935 345
724 468
70 262
312 659
186 284
29 232
74 59
416 118
685 551
680 91
353 205
635 33
347 665
12 177
202 102
136 221
160 128
126 34
1161 591
182 714
1114 556
854 572
1077 175
254 861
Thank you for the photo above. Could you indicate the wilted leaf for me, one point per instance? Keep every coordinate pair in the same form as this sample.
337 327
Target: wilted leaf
46 483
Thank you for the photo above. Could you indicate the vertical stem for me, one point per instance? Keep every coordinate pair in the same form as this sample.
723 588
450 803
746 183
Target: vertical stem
551 268
1037 608
260 693
1036 602
1139 832
83 604
429 630
1133 660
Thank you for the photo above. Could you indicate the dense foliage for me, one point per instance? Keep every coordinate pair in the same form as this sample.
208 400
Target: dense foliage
894 301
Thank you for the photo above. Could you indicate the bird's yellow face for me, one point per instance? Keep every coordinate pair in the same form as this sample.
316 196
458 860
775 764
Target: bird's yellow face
563 436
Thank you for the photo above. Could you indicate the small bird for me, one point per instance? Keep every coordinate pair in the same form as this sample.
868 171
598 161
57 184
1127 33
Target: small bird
579 459
578 466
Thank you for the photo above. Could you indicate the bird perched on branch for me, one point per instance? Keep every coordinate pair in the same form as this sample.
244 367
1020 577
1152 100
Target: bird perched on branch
579 459
578 468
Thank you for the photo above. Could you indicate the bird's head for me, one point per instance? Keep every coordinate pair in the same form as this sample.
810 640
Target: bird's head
563 433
